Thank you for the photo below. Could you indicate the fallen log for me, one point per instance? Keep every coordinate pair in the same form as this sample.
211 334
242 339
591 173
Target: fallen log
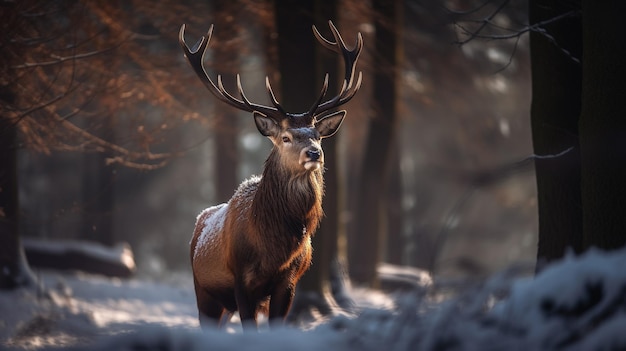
85 256
402 278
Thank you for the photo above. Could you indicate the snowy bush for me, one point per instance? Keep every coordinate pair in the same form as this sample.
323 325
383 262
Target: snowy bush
576 304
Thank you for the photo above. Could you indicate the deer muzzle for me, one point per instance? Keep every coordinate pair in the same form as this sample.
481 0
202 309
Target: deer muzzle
312 158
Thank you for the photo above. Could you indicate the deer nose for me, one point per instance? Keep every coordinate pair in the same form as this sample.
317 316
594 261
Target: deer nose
314 154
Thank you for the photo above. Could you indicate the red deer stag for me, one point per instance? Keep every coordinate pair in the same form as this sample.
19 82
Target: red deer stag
248 254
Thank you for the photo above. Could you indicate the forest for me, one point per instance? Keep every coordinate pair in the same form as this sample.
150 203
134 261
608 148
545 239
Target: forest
477 173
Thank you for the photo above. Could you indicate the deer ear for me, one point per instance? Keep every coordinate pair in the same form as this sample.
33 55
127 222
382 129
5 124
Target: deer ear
265 125
329 125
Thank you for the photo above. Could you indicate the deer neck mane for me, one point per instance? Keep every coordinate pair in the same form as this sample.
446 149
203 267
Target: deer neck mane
287 204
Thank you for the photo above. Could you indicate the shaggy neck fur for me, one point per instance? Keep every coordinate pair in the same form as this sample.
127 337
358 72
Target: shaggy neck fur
285 204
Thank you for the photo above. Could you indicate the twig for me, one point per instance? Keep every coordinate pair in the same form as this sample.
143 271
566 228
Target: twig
479 181
61 59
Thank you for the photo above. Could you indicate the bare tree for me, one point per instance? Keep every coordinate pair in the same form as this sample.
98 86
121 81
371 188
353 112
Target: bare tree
58 59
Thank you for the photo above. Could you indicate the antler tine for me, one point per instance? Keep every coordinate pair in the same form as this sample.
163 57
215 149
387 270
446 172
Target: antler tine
268 86
243 96
325 42
354 54
349 93
320 98
230 99
195 56
350 57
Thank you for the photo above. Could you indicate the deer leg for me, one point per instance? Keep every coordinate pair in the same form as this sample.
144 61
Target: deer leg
280 303
225 319
209 310
246 306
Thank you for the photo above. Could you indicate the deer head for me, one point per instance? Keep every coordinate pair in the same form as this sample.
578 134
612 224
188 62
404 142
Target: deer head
296 136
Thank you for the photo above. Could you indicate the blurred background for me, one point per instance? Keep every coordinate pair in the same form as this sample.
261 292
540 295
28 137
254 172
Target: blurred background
119 141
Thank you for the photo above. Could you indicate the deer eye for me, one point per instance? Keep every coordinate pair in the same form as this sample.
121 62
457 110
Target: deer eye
286 139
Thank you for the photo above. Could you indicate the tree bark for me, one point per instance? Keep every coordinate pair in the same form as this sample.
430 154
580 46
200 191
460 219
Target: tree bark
603 125
365 242
227 155
395 241
98 199
556 96
14 269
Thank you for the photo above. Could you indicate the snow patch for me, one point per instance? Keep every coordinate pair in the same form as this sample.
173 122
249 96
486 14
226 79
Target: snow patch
245 195
567 300
212 227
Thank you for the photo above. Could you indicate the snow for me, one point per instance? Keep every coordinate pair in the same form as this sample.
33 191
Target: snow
214 222
577 304
568 304
74 308
212 226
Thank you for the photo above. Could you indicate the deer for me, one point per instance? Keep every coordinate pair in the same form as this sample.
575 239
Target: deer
248 254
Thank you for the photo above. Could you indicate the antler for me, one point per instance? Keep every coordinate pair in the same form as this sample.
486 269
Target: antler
350 58
195 56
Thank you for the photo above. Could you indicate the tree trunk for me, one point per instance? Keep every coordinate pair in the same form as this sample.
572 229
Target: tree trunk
296 54
365 242
14 269
227 155
98 199
556 95
396 240
603 125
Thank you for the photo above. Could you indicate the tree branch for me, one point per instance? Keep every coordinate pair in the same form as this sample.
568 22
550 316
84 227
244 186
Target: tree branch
484 23
61 59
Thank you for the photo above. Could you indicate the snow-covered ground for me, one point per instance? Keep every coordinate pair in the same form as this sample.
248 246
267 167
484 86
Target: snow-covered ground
578 304
75 308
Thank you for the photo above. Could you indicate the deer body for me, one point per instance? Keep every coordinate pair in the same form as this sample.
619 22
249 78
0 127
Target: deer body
248 254
236 245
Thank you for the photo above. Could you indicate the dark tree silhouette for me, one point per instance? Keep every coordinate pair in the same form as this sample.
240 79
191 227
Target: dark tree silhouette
226 58
366 239
603 124
556 103
577 81
395 241
14 269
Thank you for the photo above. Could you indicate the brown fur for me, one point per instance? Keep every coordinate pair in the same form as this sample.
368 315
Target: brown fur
263 247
